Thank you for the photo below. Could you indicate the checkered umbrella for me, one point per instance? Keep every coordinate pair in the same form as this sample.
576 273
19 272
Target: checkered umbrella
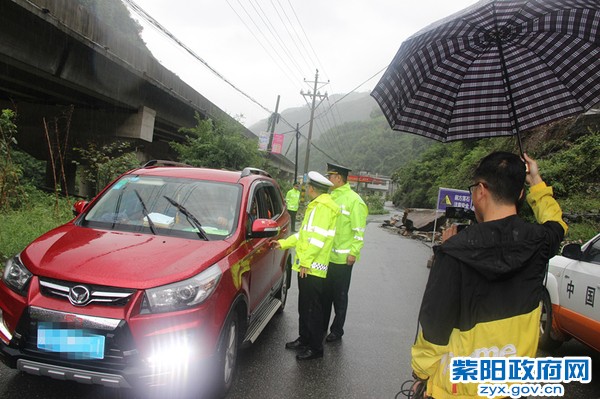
495 69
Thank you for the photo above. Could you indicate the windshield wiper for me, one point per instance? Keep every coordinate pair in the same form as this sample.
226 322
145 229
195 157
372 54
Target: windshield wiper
191 218
118 206
145 211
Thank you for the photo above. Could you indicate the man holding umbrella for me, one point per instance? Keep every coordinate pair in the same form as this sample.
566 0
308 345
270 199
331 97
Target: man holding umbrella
483 293
347 243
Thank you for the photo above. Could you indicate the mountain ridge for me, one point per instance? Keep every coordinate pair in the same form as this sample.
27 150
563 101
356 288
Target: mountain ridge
332 113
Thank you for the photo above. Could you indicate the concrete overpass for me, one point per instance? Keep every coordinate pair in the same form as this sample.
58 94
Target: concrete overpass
58 61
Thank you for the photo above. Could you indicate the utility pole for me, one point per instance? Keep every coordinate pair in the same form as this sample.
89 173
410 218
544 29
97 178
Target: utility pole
296 163
314 95
273 120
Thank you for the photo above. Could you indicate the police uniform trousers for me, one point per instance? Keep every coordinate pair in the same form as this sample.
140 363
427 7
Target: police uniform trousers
293 219
337 285
310 309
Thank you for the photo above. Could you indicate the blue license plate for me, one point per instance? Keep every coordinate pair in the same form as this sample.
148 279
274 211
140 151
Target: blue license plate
75 344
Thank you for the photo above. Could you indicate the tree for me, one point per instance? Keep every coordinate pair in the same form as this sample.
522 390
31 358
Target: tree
218 144
104 163
9 171
114 13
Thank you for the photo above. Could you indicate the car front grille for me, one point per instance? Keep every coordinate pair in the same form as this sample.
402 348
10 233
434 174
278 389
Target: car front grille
108 296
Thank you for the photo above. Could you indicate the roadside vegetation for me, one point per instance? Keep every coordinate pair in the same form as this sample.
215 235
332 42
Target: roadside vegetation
568 153
28 209
569 162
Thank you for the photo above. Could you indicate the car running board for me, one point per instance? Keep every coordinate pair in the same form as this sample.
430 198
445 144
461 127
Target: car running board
261 320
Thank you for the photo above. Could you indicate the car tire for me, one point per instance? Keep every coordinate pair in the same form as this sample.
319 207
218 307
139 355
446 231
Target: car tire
282 294
227 357
547 342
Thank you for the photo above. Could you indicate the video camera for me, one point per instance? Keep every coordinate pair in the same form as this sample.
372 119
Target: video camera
459 213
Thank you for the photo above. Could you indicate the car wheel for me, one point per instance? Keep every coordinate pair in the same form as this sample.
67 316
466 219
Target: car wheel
547 342
227 356
282 294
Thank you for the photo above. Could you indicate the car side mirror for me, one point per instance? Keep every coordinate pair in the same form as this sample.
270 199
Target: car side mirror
79 206
262 228
572 251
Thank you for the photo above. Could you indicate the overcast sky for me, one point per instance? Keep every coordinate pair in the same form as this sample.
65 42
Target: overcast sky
268 48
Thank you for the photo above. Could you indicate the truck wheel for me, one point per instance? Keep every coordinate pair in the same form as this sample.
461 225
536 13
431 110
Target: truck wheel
547 342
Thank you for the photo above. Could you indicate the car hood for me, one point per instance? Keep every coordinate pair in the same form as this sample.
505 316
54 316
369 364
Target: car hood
119 259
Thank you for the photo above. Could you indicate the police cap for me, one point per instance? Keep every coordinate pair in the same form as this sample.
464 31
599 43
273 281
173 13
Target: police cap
319 181
333 169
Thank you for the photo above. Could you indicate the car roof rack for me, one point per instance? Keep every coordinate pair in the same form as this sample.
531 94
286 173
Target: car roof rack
254 171
162 162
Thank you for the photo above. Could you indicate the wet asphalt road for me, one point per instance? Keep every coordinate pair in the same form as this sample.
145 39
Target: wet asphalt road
373 358
371 361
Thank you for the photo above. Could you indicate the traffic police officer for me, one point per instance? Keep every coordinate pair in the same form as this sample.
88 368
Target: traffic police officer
313 244
292 200
347 243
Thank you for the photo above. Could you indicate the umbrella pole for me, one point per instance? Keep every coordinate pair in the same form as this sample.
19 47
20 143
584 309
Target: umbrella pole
512 101
507 79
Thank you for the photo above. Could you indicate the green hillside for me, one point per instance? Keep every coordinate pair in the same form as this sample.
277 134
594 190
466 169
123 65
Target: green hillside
568 153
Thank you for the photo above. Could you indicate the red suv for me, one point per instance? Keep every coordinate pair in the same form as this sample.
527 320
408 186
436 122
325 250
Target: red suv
159 279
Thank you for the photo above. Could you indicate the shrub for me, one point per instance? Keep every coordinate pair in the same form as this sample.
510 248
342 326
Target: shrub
21 226
375 204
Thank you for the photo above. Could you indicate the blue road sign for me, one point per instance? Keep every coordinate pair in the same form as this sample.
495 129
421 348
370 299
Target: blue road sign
452 197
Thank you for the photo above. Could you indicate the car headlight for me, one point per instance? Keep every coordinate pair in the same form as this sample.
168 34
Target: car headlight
16 276
183 294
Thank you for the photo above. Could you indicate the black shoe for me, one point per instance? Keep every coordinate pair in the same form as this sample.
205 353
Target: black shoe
296 345
309 354
332 337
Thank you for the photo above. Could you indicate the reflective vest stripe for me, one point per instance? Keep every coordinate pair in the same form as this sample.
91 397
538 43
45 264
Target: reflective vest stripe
323 232
316 243
318 266
310 220
319 230
341 251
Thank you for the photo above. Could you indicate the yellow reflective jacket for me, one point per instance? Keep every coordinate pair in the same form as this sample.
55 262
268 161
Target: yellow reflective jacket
350 228
314 240
483 295
292 199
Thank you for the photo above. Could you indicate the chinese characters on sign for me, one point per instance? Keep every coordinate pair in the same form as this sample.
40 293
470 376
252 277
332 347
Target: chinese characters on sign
263 141
277 144
449 197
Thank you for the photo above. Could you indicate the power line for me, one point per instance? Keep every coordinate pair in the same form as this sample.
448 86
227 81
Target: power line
293 39
353 90
263 46
305 35
274 33
156 24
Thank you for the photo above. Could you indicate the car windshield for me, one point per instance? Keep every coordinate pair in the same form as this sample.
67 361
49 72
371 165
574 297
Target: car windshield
169 206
